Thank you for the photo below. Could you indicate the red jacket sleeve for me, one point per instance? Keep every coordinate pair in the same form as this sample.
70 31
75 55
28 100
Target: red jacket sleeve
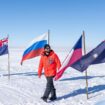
57 61
40 66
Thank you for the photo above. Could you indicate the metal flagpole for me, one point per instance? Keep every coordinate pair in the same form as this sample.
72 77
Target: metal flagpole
8 62
84 47
48 36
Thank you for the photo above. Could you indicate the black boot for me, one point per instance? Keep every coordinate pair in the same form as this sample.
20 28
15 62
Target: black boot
44 99
53 95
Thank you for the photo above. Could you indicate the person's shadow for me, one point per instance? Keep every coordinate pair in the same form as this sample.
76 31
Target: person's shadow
82 91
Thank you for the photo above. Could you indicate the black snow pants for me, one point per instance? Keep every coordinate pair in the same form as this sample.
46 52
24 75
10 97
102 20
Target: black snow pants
50 89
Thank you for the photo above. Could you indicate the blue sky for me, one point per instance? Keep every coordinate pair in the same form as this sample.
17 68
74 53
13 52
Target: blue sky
24 20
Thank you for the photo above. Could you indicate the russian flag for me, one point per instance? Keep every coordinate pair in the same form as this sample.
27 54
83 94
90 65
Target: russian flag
35 48
4 46
74 55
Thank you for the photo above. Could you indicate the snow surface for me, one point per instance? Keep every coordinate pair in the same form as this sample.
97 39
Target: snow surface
25 88
101 103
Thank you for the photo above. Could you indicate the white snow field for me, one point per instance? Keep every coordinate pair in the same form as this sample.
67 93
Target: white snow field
25 88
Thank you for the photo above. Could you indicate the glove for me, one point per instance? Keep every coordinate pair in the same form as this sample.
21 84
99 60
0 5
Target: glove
39 75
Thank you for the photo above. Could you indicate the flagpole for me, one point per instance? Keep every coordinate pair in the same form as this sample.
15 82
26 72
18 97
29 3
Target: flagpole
8 62
48 36
84 47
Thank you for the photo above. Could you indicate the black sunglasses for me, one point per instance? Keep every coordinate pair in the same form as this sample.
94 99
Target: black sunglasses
47 48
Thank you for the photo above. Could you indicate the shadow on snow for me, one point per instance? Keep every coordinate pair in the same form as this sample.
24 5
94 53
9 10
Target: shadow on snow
23 74
81 77
91 90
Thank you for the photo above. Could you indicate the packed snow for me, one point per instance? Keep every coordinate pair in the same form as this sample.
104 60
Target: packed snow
25 88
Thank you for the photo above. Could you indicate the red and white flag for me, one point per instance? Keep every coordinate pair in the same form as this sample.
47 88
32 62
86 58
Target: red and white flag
74 55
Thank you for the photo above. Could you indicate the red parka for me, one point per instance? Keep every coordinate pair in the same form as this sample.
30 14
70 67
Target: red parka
50 64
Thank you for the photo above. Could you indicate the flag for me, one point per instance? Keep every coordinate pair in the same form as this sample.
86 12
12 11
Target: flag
73 56
35 47
95 56
4 46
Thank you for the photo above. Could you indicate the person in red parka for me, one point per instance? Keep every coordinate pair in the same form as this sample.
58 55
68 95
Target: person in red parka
50 62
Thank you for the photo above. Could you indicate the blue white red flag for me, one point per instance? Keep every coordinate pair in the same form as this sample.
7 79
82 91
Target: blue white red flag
35 48
4 46
75 54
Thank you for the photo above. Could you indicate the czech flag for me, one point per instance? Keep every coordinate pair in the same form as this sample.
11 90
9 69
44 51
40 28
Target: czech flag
4 46
75 54
35 48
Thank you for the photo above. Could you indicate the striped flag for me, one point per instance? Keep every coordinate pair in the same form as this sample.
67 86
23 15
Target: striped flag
75 54
35 47
4 46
